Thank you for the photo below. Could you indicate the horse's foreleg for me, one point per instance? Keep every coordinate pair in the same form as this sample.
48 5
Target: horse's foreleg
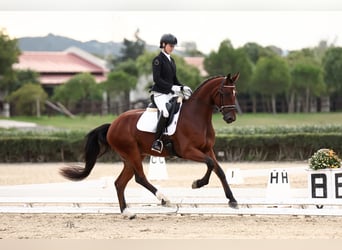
205 179
120 185
212 164
228 192
211 161
197 155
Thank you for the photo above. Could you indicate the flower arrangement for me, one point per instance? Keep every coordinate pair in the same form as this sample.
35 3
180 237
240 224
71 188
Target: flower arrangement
324 158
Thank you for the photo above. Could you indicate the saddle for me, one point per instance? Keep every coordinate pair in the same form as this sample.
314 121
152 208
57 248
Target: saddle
149 119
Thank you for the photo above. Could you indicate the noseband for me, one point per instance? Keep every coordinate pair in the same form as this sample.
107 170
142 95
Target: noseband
231 107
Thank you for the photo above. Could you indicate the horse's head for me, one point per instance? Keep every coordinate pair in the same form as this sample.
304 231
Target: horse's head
225 98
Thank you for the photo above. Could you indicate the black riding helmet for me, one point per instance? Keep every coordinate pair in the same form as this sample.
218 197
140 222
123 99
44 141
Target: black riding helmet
167 39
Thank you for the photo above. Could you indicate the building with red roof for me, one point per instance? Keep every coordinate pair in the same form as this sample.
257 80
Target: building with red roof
198 62
56 68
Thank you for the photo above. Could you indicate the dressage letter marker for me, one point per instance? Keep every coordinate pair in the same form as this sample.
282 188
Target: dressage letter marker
278 187
338 185
157 168
319 186
325 184
233 176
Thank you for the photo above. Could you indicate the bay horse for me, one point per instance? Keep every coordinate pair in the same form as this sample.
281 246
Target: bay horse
193 140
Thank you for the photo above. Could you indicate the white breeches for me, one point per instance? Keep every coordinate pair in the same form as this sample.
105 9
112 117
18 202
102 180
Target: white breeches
161 100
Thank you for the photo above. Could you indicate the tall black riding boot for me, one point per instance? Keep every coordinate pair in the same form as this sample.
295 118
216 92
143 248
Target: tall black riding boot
158 144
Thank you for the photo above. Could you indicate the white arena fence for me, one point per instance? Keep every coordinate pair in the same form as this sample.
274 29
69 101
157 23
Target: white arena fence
99 196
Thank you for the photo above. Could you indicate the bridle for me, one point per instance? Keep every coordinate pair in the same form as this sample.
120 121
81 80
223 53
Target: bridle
231 107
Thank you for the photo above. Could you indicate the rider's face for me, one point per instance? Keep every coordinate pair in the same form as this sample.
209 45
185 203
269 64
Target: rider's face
169 48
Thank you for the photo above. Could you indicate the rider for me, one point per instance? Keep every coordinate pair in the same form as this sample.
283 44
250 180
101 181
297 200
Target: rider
165 85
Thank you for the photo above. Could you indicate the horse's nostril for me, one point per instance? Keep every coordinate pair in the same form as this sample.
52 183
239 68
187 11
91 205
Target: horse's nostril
229 119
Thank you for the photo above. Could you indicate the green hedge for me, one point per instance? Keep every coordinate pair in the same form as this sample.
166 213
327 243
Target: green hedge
18 146
270 147
247 144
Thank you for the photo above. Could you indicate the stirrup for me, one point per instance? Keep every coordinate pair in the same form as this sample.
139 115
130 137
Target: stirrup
157 146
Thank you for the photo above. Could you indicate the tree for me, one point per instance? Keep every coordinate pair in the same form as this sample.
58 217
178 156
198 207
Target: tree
28 99
229 60
217 63
9 53
319 52
254 51
131 49
332 64
144 63
80 89
129 66
21 78
307 80
187 74
271 77
119 82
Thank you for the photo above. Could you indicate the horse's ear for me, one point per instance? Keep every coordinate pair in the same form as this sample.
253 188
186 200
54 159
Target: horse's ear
236 77
229 78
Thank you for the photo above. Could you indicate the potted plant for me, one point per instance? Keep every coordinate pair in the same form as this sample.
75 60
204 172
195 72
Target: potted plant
324 159
325 175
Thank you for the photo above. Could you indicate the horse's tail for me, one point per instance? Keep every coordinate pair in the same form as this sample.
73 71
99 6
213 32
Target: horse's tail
95 141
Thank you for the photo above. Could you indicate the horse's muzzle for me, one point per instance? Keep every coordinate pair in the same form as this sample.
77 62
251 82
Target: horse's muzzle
229 117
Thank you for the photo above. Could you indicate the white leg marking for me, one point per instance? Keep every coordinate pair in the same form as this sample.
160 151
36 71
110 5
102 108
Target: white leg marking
127 214
165 201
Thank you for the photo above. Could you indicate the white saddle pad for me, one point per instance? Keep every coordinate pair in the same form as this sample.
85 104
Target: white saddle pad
149 119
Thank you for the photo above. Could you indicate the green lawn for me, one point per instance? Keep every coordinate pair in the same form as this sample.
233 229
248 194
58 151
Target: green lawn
255 120
264 120
77 123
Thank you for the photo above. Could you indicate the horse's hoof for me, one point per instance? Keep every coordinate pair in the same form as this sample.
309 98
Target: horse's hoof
128 215
233 204
132 216
165 203
194 185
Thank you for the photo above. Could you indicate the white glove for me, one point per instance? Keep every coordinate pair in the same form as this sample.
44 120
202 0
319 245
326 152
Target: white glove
187 89
187 92
176 88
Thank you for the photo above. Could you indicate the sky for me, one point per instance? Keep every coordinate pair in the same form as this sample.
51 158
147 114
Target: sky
286 28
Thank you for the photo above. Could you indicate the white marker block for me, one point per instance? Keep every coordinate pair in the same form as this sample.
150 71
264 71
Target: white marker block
278 186
157 169
233 176
325 183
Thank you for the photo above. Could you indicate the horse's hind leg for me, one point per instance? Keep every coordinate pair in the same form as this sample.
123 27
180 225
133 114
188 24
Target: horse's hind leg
136 164
120 185
142 180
